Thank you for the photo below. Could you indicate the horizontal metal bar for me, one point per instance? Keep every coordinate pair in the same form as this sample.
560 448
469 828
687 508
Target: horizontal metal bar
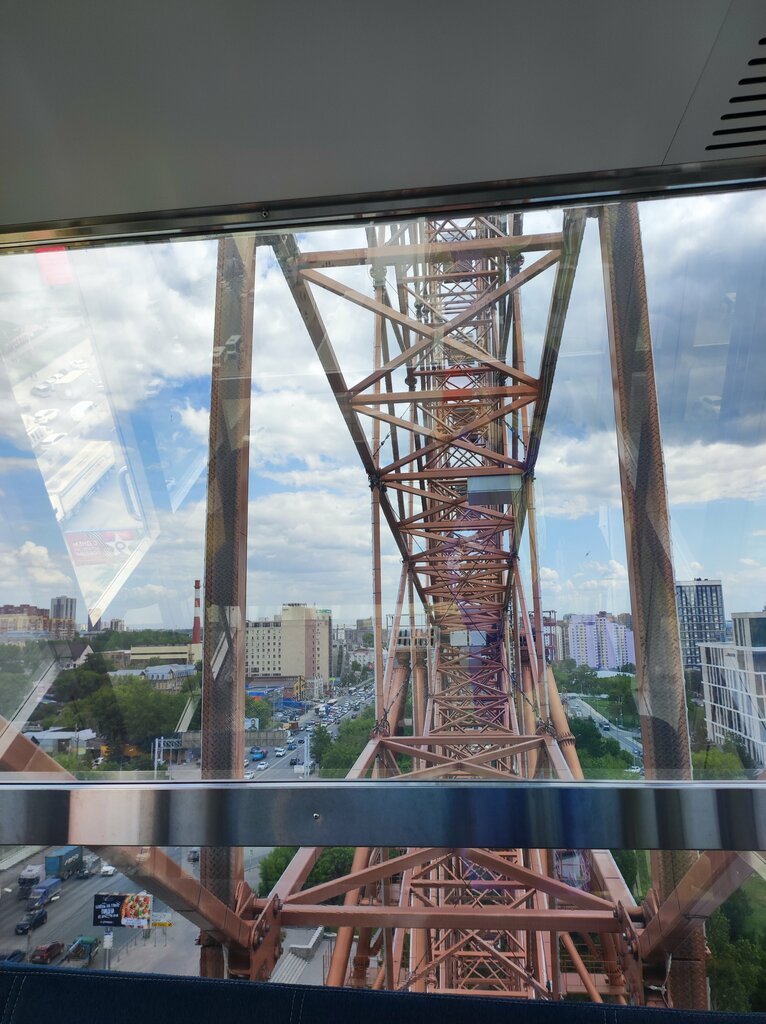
655 815
569 190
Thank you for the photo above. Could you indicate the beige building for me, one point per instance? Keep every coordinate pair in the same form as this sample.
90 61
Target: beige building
298 642
23 618
185 654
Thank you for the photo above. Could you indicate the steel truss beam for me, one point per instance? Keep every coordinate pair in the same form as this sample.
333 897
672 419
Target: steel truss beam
457 286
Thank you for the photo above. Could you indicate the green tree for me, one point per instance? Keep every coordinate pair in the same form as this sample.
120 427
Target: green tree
717 763
321 743
109 640
334 862
600 757
272 867
627 862
340 755
737 967
257 707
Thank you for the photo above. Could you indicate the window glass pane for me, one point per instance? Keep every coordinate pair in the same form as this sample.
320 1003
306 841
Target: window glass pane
474 498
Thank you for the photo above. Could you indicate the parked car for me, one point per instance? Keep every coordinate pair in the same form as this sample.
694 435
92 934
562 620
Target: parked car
294 761
45 416
53 438
31 920
262 766
108 870
249 775
81 410
13 956
43 388
279 751
45 954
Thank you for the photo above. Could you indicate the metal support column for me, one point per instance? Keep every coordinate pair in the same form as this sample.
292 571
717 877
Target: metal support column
223 689
659 669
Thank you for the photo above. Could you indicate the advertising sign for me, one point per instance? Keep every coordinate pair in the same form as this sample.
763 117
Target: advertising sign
122 910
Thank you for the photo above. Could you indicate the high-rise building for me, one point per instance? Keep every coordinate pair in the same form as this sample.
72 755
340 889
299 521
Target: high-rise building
63 616
298 642
734 686
600 642
63 607
700 617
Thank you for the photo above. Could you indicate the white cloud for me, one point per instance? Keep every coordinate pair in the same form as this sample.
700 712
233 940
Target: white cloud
316 547
30 569
577 475
196 421
749 562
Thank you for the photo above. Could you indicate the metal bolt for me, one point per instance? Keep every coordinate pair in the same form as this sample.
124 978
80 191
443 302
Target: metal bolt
315 816
265 214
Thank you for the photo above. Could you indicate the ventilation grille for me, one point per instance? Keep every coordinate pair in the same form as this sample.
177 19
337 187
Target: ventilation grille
745 128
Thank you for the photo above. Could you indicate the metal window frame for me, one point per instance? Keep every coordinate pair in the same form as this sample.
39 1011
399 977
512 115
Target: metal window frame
524 193
577 815
714 816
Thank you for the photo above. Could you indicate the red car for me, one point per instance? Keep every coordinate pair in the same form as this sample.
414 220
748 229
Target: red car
44 954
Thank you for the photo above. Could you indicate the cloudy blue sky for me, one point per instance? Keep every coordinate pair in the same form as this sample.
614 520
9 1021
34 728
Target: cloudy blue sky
130 329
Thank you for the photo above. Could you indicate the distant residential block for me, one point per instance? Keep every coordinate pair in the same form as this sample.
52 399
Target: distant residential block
700 617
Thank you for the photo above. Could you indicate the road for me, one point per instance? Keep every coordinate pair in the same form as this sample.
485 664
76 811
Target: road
72 915
170 949
278 769
628 740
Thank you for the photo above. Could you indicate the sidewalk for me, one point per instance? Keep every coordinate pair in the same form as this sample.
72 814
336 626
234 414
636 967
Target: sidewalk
166 951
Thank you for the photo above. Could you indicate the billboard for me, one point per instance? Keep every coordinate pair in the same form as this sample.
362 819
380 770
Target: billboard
122 910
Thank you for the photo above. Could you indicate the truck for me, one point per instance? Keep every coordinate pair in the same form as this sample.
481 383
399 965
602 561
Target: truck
83 950
91 865
64 862
45 891
31 875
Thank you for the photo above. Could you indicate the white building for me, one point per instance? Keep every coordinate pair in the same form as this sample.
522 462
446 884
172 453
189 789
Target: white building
734 686
600 642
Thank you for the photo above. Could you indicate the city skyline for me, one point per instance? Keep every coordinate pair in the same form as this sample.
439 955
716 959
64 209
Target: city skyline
148 316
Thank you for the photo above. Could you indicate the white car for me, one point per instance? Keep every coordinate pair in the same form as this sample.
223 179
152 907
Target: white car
249 775
50 439
279 751
46 415
108 869
81 410
262 766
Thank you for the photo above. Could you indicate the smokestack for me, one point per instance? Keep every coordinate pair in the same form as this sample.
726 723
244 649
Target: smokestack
197 627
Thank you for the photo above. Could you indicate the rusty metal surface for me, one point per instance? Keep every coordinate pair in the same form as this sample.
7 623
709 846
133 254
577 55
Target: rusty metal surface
660 697
223 675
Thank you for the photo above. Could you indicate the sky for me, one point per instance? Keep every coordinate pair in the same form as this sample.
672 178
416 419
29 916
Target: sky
129 329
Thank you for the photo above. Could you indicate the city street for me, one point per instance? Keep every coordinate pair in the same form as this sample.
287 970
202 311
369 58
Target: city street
628 740
170 949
